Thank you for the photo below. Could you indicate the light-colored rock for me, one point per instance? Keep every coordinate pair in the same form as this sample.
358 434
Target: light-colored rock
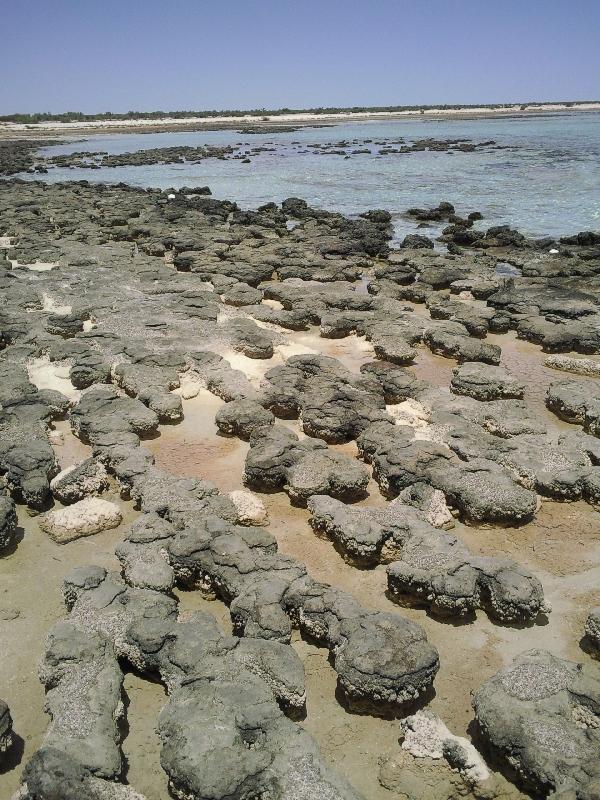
56 438
250 508
579 366
88 516
85 478
190 384
426 736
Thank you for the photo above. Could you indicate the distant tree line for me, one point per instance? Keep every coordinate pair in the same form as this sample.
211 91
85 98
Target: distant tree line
78 116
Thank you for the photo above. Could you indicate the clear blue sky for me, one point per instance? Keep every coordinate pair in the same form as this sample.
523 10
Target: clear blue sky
117 55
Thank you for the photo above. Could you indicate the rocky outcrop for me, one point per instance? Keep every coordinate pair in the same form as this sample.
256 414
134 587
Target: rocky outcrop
8 522
6 730
483 382
540 717
592 630
278 460
576 402
429 567
88 477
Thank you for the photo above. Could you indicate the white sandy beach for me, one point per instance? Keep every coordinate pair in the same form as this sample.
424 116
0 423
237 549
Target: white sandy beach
300 118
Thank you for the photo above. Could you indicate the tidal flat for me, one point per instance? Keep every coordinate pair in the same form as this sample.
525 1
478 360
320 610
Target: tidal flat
349 465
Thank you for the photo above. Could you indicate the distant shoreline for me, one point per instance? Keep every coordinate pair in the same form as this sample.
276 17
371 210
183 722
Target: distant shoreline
11 130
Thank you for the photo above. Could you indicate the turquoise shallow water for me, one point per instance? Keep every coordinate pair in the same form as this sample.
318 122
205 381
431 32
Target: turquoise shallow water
547 183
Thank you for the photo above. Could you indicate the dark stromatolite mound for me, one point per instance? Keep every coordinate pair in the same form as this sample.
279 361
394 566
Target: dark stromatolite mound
592 630
27 459
429 567
577 402
102 404
334 404
483 382
452 340
278 460
540 717
8 522
249 338
6 730
398 384
481 489
83 696
215 682
242 417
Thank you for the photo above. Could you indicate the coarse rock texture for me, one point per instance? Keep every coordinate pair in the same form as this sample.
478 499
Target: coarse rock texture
540 716
578 403
80 480
215 682
279 460
592 630
579 366
8 522
6 730
482 490
250 508
84 518
429 567
485 382
123 308
243 417
334 404
426 736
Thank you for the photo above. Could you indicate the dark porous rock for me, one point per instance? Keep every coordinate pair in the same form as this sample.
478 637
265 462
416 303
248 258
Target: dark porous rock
390 343
89 368
8 522
83 697
415 241
220 377
242 294
483 491
52 773
451 339
334 404
443 211
27 459
6 730
400 461
437 571
592 630
484 382
257 750
103 407
242 417
85 478
539 717
326 472
431 568
577 402
272 452
249 338
66 325
364 536
278 460
398 384
384 656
